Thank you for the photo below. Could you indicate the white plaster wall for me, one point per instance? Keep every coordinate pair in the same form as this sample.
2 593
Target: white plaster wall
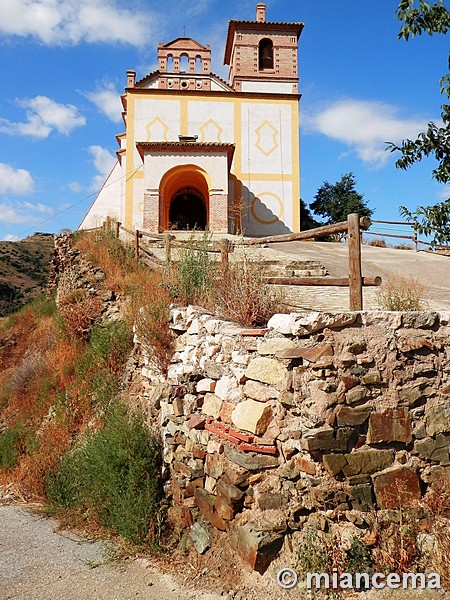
269 87
266 138
108 202
157 164
211 121
157 119
269 207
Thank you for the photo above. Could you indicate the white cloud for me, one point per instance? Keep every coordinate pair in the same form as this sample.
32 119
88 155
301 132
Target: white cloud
61 22
9 237
103 161
43 116
444 193
12 213
16 182
39 207
365 127
107 99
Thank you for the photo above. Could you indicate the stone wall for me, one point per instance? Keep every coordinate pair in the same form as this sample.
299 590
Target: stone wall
324 413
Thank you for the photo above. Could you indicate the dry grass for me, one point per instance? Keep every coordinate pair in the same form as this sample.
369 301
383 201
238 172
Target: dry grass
148 309
242 296
403 293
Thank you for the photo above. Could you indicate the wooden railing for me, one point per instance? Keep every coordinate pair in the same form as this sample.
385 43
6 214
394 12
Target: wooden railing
409 227
352 228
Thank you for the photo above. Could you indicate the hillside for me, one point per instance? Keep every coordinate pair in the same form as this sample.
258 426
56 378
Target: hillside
24 268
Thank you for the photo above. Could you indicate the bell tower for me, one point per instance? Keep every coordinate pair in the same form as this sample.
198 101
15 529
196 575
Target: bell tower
263 55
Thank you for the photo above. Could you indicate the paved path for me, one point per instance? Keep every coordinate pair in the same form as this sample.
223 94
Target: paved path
432 270
39 562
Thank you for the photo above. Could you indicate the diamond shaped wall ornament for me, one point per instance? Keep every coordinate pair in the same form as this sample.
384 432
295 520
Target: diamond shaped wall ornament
157 130
211 131
267 138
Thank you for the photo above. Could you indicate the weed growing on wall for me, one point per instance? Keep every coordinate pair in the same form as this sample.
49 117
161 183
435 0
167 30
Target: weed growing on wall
242 296
402 293
190 279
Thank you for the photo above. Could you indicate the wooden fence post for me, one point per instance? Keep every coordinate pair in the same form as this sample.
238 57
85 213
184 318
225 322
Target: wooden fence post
224 250
354 262
117 229
136 244
168 247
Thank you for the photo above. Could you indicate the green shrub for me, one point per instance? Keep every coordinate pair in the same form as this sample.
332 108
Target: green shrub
10 447
114 475
191 278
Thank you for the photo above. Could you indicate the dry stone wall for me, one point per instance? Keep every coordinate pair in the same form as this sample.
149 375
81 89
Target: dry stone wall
334 414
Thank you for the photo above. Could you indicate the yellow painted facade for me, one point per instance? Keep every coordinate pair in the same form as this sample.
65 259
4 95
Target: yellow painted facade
245 143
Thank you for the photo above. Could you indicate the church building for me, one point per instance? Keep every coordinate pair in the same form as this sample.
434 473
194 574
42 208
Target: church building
200 152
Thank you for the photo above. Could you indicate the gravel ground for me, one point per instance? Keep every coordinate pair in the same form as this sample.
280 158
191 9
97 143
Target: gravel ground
40 562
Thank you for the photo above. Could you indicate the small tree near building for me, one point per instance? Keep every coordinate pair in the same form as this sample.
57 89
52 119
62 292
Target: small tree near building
335 202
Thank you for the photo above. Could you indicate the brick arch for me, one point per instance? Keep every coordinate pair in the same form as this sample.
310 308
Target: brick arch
182 176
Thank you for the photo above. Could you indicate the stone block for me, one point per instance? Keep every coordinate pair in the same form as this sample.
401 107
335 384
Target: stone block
437 419
227 388
252 416
259 391
226 410
419 320
201 537
347 415
392 425
229 500
280 323
305 465
334 463
214 465
313 354
270 346
356 394
268 370
397 487
371 378
205 385
212 405
250 462
409 340
206 504
361 497
327 439
367 461
258 546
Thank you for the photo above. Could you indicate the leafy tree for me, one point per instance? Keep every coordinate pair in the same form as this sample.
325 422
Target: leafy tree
435 141
335 202
307 221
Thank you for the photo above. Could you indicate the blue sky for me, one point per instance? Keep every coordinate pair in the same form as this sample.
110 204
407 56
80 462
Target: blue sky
64 65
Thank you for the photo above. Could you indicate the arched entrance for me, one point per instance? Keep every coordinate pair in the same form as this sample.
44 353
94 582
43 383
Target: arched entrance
187 210
184 198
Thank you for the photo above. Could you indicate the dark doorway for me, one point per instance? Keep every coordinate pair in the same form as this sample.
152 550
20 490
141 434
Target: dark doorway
187 210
